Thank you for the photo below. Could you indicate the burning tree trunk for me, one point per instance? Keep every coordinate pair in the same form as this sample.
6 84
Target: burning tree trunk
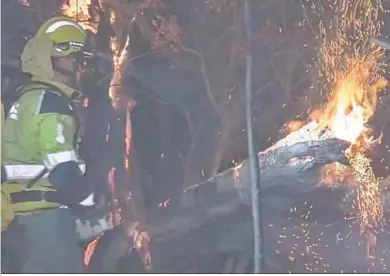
117 16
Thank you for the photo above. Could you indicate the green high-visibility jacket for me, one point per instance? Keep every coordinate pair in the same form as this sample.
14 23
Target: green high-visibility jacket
39 132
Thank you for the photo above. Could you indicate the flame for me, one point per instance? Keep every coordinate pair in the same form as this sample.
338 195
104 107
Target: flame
128 132
293 126
127 163
85 102
352 103
119 56
90 250
79 10
164 203
111 179
336 173
351 67
115 212
127 138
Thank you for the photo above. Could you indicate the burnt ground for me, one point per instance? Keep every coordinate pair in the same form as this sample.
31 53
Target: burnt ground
311 236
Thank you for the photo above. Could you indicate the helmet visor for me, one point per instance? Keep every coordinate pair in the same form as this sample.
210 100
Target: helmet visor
73 47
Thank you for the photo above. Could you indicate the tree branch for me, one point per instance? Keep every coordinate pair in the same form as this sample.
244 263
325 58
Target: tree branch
203 70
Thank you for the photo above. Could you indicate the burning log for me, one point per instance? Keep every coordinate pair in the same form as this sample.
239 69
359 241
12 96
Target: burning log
292 166
293 156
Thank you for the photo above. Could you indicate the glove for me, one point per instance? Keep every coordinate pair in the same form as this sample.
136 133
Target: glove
73 187
89 201
92 221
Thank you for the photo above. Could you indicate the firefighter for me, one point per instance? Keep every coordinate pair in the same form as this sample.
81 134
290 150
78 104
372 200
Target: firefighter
44 174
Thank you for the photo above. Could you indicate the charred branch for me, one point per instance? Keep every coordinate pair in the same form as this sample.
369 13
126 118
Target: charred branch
288 161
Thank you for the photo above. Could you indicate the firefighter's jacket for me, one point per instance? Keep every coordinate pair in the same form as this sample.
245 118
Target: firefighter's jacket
39 132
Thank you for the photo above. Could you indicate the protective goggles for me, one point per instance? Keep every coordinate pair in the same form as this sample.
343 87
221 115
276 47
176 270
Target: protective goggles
82 52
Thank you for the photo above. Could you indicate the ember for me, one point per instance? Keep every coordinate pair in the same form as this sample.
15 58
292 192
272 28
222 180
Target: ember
85 103
164 203
352 69
368 201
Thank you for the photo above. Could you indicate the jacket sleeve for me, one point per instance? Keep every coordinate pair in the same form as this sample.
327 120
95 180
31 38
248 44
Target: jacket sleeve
66 169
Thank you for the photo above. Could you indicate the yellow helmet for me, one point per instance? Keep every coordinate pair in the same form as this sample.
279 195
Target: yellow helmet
59 36
68 36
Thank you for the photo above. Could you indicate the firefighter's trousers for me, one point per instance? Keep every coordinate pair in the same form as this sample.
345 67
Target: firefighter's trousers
43 242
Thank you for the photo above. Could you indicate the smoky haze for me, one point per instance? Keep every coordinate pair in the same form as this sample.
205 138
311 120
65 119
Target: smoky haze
187 77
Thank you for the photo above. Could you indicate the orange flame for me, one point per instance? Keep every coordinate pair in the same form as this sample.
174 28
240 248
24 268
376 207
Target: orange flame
119 56
352 103
85 102
293 126
128 132
347 112
111 178
127 138
78 10
90 250
115 212
352 68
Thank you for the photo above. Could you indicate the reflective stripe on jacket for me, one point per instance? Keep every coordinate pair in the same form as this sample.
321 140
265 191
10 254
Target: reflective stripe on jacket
39 133
28 172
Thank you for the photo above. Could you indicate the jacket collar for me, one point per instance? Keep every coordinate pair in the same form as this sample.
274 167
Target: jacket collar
68 91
